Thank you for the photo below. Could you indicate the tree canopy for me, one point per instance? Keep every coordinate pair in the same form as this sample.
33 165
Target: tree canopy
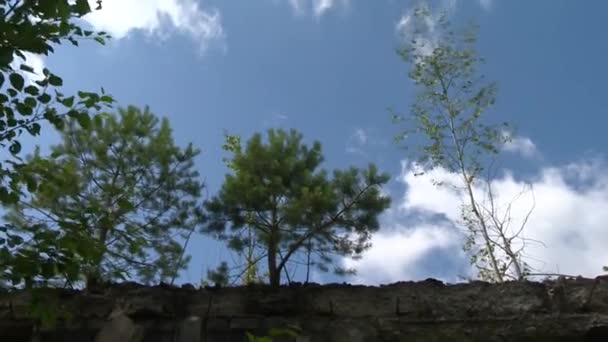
123 189
277 191
29 28
28 99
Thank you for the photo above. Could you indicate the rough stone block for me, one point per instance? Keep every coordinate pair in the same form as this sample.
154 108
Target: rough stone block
245 323
218 324
189 330
120 328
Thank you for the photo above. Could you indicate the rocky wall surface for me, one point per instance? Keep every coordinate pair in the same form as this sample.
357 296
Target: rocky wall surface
565 310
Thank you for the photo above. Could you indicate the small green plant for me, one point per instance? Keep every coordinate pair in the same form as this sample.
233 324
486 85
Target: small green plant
274 332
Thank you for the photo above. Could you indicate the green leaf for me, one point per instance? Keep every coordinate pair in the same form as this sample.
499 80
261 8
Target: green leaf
16 80
1 79
73 113
15 147
82 7
55 80
30 102
24 109
32 90
84 120
44 98
48 269
42 83
26 68
14 240
48 8
124 204
275 332
98 121
34 129
68 101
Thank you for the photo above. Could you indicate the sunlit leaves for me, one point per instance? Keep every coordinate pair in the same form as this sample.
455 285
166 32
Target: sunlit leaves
27 99
119 178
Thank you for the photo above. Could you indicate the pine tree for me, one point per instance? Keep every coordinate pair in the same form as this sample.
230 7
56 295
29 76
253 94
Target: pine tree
277 190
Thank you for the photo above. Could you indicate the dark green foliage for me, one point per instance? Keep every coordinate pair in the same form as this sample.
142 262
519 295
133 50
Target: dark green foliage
277 191
35 27
119 193
273 333
219 276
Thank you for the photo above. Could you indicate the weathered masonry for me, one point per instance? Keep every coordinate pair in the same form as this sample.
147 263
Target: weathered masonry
569 310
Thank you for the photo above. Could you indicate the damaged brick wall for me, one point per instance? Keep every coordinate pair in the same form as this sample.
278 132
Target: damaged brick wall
567 310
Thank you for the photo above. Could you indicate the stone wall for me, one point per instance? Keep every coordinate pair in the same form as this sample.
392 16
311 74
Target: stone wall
567 310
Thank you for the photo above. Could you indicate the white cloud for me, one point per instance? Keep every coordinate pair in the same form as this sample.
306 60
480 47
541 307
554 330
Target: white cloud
422 194
422 237
521 145
33 60
158 17
298 6
318 7
360 136
410 253
568 219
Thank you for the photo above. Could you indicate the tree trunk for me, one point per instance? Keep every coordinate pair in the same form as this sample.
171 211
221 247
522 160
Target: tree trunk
484 231
94 277
274 274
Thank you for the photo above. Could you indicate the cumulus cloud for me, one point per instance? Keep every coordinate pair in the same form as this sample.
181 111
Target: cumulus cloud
522 145
569 219
402 252
159 18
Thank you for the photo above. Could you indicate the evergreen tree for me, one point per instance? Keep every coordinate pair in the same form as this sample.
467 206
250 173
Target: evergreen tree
277 190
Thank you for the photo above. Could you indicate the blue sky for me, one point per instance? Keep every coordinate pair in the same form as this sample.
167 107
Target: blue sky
329 69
